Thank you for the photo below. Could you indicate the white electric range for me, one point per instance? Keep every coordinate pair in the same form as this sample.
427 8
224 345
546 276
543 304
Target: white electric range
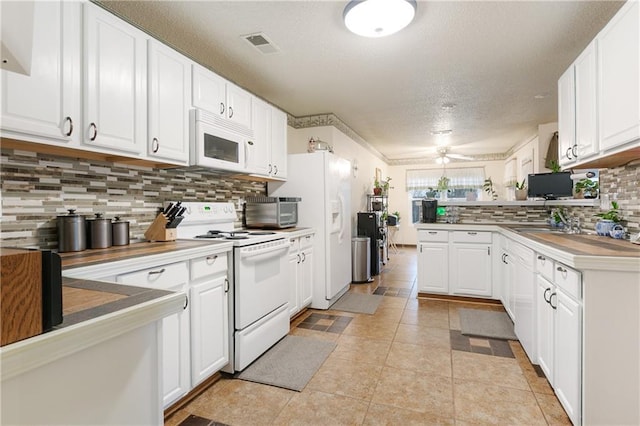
258 305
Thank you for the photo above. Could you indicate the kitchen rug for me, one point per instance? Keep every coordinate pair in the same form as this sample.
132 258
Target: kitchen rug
358 303
290 363
476 322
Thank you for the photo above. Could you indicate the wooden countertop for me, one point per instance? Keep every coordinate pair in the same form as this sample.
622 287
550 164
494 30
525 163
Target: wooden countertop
587 244
95 256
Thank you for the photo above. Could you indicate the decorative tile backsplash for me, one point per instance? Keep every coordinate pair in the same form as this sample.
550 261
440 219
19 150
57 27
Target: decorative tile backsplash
38 187
619 184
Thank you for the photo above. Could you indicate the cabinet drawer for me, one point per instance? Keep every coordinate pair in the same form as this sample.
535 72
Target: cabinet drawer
162 277
471 237
294 245
524 254
306 242
208 265
569 280
434 236
544 266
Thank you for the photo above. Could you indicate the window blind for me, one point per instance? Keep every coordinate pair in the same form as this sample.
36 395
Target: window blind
459 178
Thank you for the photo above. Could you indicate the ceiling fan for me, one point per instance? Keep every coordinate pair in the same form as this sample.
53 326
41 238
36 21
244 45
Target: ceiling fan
444 156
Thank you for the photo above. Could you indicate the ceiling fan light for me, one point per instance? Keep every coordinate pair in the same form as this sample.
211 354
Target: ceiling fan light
378 18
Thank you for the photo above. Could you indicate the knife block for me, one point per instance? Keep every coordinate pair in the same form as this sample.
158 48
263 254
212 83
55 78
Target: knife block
158 231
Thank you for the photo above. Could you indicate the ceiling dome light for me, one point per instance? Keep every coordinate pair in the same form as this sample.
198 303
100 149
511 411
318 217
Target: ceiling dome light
378 18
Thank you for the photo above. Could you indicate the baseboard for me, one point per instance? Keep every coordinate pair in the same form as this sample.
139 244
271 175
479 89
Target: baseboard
195 392
466 299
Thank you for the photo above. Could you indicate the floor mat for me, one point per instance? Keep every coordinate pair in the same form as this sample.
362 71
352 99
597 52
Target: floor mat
290 364
476 322
358 303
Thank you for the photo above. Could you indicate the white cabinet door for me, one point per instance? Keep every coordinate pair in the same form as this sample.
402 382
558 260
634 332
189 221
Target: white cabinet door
169 91
470 269
278 143
46 104
238 105
545 326
586 137
209 91
508 283
176 361
209 331
259 150
294 261
115 89
305 277
618 82
568 354
566 117
433 267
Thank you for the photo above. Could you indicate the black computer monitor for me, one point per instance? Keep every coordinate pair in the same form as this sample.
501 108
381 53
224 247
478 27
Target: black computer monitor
550 186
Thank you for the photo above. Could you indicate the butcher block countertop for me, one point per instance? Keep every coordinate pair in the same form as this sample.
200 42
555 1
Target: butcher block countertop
133 250
587 244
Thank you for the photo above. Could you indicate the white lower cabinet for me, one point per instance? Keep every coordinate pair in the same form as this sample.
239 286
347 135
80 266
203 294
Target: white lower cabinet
559 329
433 270
195 341
524 297
209 331
300 273
470 263
507 275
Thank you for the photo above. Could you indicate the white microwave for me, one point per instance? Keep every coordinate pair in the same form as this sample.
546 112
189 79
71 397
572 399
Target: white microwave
218 143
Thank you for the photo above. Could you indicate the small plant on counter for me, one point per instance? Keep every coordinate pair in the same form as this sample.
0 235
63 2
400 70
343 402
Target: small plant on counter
488 188
558 216
397 215
443 183
521 185
612 214
521 190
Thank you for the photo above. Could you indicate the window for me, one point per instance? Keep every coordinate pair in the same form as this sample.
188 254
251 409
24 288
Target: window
424 184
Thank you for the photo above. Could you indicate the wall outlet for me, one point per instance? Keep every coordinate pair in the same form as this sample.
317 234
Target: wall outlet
605 202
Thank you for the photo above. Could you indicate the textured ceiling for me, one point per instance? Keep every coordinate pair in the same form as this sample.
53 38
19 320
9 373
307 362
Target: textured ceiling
490 59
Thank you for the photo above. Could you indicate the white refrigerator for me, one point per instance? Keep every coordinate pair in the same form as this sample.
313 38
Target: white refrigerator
323 181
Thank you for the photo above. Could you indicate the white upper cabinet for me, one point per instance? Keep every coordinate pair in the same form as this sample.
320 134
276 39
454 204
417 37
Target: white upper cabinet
267 155
115 90
218 96
45 106
566 116
169 101
278 143
258 152
618 78
586 114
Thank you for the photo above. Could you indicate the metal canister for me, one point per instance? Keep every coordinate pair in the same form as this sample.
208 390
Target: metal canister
120 232
98 232
72 234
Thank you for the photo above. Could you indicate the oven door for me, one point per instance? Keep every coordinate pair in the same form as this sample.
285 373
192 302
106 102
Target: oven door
217 147
261 281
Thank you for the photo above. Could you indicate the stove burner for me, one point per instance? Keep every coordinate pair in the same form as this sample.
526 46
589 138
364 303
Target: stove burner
262 233
212 236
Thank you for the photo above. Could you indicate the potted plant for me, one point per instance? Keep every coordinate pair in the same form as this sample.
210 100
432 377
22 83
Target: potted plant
488 188
555 167
586 188
443 187
608 220
377 187
557 218
521 190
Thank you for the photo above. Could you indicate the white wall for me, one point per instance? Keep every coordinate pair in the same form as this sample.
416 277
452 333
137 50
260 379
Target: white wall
344 147
399 198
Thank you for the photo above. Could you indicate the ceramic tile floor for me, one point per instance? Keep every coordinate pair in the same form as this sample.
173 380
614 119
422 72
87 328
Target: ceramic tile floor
407 364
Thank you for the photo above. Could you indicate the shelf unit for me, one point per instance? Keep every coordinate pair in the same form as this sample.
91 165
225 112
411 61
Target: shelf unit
372 201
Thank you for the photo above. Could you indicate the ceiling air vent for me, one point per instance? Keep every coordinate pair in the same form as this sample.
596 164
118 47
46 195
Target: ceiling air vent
261 42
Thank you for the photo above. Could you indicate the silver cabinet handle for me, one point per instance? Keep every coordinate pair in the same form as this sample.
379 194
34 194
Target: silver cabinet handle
544 296
95 131
250 143
299 258
270 168
472 233
562 270
552 305
70 121
161 271
211 259
226 285
433 232
186 302
489 251
230 112
275 170
221 108
567 154
304 257
574 151
155 145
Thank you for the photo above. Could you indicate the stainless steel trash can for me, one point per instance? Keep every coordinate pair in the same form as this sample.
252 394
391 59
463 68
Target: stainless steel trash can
361 260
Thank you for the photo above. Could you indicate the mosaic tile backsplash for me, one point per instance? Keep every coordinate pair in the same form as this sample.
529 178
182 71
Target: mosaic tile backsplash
38 187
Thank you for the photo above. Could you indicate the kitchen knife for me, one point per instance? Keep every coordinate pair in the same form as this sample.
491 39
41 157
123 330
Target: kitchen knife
168 209
173 212
175 222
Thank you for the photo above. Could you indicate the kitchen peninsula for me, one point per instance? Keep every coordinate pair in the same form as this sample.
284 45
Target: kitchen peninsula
572 297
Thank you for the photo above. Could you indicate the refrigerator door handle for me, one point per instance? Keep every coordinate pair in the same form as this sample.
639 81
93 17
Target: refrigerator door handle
341 213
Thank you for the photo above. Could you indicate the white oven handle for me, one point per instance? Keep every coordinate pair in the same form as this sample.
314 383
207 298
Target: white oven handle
265 253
